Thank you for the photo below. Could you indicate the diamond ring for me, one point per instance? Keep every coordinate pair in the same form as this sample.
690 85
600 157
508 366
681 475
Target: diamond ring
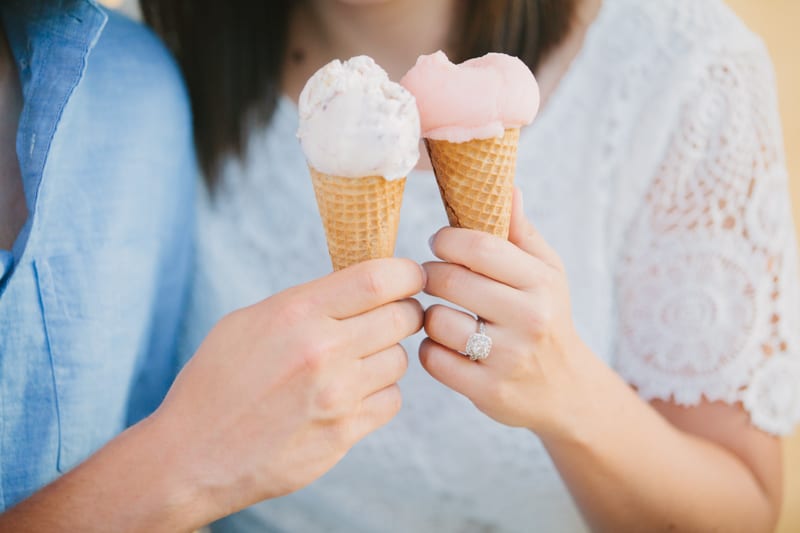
479 344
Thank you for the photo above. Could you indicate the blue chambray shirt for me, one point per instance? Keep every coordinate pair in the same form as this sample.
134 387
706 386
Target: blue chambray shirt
92 292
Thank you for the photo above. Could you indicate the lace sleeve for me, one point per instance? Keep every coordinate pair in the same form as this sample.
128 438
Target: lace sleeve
707 279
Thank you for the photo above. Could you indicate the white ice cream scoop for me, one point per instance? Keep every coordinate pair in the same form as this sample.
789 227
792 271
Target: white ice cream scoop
355 122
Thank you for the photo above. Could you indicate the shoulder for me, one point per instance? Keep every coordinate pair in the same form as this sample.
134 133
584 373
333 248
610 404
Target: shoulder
131 105
693 30
127 130
656 58
130 64
686 55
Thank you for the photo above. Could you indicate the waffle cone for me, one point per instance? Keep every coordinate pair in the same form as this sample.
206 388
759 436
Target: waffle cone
360 216
476 180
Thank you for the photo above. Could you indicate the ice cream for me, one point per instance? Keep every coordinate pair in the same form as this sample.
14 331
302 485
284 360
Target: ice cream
355 122
470 115
360 134
477 99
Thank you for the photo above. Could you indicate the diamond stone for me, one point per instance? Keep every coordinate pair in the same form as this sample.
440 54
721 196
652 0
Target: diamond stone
478 346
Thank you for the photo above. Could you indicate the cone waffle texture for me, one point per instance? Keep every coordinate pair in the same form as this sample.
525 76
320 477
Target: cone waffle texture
476 180
360 216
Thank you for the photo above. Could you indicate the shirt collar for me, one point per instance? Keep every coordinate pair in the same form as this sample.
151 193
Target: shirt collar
51 41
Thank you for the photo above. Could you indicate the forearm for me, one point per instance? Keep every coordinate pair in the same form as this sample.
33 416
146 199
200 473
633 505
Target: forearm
132 484
629 469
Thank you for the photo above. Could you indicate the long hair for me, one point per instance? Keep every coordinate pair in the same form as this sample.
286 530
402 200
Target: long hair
231 54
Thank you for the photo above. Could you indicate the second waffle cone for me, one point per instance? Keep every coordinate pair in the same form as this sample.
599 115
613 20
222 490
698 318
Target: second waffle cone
476 180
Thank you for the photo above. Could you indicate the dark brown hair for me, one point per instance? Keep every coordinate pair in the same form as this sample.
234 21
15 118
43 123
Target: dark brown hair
231 53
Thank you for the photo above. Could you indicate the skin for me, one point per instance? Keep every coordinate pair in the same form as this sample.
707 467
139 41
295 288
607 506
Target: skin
13 210
622 480
277 393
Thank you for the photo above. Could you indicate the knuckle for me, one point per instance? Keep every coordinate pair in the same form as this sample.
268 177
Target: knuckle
452 278
311 361
520 363
394 402
504 394
529 315
329 399
557 263
313 354
483 246
294 312
340 434
401 361
374 284
398 318
553 277
496 390
537 318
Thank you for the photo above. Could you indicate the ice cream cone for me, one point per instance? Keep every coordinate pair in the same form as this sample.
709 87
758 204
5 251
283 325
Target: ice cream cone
360 215
476 180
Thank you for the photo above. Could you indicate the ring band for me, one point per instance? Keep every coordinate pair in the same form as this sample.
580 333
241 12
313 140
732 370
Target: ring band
479 344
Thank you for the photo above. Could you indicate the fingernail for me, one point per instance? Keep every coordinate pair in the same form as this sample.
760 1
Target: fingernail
424 276
430 240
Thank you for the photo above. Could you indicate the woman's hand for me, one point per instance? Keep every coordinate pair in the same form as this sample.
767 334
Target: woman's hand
519 288
280 391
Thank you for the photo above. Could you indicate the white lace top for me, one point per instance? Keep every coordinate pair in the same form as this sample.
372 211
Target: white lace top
657 171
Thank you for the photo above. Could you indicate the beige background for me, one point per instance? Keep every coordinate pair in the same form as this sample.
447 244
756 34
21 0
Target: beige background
776 21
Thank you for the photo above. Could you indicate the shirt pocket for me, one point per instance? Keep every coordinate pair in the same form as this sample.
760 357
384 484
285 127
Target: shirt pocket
96 310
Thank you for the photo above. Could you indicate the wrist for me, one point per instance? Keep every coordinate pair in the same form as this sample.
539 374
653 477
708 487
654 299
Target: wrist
190 498
171 496
583 400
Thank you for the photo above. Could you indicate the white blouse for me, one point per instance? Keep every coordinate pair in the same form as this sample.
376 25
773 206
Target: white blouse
657 172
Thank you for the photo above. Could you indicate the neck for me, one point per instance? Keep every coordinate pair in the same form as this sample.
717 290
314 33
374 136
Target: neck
556 64
587 11
394 33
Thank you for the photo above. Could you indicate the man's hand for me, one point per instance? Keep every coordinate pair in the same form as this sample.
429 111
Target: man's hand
279 391
275 396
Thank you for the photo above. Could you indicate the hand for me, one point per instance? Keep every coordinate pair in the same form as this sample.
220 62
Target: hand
280 391
519 288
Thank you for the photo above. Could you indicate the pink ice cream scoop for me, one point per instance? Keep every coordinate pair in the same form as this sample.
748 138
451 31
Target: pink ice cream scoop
477 99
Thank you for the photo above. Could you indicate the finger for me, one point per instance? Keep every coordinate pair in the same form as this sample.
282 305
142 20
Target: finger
452 328
365 286
381 370
383 327
485 297
377 410
489 255
452 369
523 234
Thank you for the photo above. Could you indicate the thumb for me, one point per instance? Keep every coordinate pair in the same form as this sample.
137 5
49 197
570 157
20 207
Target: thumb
526 237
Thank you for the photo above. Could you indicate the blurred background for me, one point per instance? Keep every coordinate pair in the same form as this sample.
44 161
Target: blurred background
776 22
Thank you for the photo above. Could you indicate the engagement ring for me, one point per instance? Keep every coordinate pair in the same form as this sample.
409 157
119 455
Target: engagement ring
479 344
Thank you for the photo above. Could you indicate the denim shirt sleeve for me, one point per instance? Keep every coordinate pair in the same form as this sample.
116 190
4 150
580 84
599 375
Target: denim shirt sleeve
89 315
